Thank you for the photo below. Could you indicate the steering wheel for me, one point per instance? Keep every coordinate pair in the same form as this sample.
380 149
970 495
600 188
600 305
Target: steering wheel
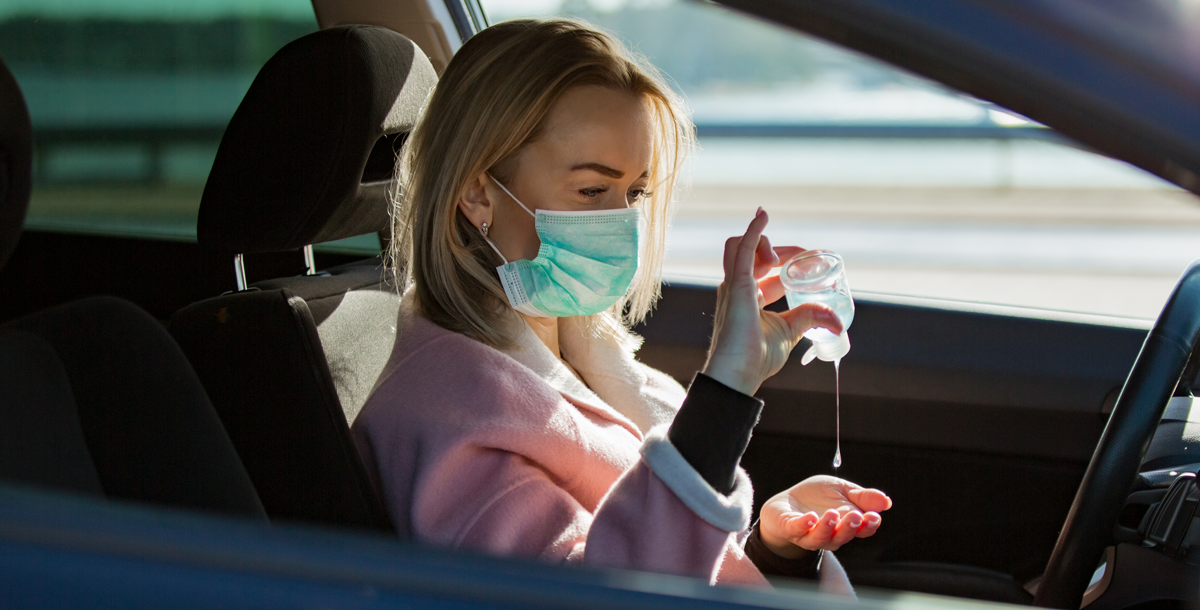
1156 373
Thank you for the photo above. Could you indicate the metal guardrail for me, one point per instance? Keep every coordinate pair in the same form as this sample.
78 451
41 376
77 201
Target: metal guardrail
157 139
881 132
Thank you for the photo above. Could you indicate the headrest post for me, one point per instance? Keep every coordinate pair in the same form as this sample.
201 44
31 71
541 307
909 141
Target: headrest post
310 263
239 272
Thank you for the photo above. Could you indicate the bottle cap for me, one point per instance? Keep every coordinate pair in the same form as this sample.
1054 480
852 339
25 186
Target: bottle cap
833 349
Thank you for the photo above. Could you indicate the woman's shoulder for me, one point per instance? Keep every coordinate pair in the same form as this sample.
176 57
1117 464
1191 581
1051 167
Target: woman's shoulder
418 339
438 374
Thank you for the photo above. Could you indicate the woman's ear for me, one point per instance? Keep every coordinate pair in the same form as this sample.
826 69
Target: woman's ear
474 201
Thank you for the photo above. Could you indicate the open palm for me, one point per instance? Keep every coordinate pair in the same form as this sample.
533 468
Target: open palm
820 512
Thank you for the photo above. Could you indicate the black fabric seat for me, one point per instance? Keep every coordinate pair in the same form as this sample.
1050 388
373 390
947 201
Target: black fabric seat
44 444
146 423
95 396
288 362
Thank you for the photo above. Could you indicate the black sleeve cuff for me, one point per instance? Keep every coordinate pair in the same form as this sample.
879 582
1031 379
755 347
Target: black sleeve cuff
806 566
712 429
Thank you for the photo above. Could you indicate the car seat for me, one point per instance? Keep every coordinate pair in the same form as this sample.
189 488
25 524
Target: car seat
307 158
95 397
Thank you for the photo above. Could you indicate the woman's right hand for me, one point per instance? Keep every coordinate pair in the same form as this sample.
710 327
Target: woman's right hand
749 343
821 512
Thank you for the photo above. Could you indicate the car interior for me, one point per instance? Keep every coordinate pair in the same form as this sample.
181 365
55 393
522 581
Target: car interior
220 375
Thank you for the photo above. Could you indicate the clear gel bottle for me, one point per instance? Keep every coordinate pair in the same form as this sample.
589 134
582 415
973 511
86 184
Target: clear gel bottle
819 276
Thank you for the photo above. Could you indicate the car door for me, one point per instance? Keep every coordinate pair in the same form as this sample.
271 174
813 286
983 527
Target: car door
978 419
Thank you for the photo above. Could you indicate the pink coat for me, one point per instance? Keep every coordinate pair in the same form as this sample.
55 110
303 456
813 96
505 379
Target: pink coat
506 452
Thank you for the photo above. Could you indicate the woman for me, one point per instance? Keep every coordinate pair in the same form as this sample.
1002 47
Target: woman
512 417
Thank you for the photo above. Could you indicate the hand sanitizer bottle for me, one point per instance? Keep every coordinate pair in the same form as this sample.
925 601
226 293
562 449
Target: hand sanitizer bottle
819 276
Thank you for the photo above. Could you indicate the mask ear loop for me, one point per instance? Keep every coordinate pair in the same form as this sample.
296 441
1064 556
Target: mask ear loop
509 193
489 242
514 198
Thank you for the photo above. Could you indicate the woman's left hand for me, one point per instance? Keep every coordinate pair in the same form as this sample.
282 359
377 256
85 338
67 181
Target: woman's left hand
820 512
749 343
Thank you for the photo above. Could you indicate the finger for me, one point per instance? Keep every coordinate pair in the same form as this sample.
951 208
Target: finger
796 525
785 253
781 255
772 288
765 251
870 525
812 315
869 499
731 250
821 533
744 262
847 528
765 258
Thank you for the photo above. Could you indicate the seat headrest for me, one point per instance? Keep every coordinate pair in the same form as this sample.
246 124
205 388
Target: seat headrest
16 162
295 166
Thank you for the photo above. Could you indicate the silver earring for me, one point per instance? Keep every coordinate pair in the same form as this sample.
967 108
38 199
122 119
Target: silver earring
484 228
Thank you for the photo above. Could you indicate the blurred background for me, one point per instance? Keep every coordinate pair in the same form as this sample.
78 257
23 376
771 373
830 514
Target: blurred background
129 99
924 191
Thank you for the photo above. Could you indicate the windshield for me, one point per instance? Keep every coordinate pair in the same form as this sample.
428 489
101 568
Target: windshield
924 191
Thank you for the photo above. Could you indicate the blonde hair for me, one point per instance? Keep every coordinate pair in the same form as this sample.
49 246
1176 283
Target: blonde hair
493 99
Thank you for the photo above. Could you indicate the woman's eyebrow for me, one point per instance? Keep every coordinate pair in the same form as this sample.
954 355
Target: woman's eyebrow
605 170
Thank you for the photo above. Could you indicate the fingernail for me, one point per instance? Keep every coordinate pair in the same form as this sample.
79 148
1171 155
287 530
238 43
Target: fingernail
759 212
833 523
855 523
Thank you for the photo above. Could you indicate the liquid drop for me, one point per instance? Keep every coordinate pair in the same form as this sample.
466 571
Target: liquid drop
837 384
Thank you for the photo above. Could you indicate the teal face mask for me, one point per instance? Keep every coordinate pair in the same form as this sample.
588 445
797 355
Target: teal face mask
585 264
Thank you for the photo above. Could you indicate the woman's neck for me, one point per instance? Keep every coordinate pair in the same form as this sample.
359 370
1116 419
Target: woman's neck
546 329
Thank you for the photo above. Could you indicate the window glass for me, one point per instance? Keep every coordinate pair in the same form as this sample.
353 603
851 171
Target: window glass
129 99
924 191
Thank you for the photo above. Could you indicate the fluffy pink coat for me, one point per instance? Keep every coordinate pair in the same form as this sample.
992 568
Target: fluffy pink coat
509 454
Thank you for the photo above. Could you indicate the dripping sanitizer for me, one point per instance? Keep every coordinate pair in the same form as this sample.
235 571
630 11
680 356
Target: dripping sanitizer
819 276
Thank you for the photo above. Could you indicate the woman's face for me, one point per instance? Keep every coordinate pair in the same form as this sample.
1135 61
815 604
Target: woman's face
593 154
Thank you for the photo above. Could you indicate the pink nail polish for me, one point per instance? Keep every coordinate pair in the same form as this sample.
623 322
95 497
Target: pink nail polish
759 212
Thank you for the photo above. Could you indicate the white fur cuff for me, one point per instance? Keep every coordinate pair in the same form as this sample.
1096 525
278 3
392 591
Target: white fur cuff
730 513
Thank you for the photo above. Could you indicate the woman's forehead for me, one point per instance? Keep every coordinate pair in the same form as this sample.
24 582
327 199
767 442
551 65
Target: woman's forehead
601 129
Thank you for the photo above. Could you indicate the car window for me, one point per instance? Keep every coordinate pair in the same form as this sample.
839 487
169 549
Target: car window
129 99
926 192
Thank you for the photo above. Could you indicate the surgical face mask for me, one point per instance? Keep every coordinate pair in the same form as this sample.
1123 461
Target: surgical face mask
585 264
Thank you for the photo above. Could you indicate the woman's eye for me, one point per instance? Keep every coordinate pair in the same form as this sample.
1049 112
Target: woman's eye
593 192
637 194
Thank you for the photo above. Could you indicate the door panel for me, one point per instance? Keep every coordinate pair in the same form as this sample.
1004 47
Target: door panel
977 421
